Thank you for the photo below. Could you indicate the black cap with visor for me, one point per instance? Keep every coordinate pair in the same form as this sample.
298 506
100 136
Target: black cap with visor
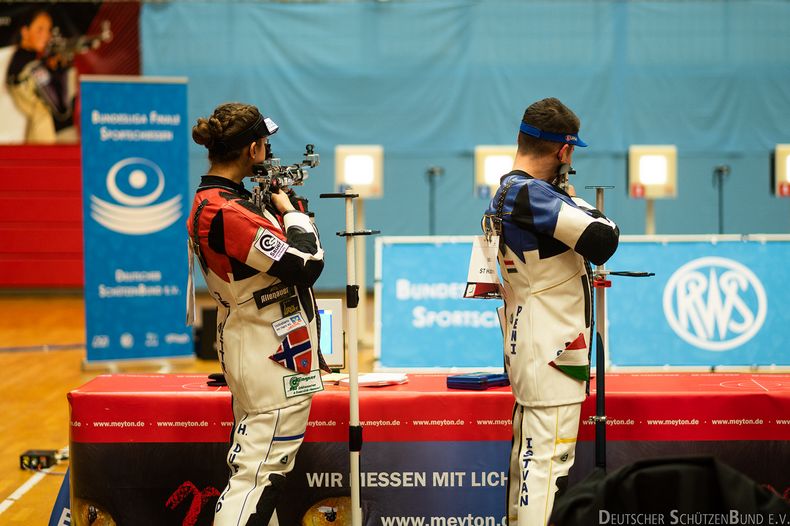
262 127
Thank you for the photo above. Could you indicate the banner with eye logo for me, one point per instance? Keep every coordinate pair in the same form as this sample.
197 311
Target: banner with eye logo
135 203
714 301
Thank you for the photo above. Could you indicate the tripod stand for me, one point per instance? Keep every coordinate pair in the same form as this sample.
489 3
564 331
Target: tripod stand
352 300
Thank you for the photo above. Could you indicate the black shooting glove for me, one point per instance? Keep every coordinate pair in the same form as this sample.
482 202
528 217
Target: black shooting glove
299 202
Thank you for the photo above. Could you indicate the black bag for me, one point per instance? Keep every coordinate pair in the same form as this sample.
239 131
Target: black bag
694 486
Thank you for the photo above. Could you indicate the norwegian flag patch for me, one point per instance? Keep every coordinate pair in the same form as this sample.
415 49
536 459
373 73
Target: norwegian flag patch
295 352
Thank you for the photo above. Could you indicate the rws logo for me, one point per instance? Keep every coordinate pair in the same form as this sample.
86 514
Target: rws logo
715 303
135 184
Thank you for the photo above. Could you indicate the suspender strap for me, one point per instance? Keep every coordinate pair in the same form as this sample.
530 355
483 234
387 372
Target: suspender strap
492 224
195 235
500 205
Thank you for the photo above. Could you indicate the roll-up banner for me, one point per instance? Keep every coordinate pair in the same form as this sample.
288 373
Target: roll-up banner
135 183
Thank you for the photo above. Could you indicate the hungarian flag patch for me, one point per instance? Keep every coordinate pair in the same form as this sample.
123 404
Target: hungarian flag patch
295 352
574 359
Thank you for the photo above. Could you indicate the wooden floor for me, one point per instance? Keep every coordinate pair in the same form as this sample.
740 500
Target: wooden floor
41 353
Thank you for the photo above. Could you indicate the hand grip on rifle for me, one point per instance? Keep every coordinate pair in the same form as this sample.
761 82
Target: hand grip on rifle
299 202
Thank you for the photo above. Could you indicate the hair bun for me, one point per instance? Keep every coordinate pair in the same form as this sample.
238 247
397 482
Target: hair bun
201 133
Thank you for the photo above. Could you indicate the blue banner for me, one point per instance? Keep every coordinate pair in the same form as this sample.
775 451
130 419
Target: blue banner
61 511
721 303
449 482
134 161
422 319
713 301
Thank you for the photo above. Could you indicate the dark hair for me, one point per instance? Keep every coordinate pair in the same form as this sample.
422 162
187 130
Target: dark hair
549 115
26 19
227 120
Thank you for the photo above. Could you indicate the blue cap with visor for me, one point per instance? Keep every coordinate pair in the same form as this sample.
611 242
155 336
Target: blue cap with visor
566 138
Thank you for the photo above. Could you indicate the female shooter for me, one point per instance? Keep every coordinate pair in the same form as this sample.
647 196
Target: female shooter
259 264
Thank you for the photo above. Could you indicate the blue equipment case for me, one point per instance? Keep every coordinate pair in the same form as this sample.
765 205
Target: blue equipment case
477 381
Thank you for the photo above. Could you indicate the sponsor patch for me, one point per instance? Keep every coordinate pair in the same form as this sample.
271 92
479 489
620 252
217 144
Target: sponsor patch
288 324
273 294
289 306
271 245
302 384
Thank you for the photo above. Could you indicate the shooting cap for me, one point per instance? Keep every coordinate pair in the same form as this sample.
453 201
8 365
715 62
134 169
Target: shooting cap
567 138
262 127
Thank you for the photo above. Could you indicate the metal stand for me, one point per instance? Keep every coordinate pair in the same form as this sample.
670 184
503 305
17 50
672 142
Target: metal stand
650 217
720 173
601 283
432 173
352 300
363 310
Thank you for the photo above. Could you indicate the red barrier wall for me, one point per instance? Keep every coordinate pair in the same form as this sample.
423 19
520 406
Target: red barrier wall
40 216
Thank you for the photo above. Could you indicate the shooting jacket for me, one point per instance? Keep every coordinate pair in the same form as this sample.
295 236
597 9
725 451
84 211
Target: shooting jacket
259 269
546 238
